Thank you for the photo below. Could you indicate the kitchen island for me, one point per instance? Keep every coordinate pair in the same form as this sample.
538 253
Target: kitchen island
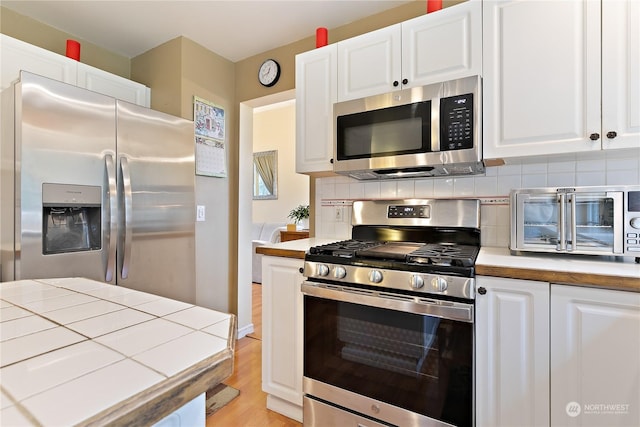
75 351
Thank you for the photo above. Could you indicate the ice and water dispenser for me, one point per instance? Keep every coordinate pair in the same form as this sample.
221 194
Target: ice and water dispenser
71 217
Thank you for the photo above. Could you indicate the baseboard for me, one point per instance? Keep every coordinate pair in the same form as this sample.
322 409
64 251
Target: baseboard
284 407
242 332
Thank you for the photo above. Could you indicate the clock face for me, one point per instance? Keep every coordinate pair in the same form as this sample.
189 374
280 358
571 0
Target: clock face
269 73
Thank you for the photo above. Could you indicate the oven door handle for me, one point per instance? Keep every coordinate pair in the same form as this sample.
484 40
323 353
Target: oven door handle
406 303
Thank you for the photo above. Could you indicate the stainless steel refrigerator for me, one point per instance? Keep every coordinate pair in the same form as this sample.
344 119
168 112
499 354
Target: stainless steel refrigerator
95 187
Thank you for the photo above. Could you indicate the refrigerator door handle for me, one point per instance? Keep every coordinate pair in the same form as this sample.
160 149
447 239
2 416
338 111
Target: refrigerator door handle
113 218
127 212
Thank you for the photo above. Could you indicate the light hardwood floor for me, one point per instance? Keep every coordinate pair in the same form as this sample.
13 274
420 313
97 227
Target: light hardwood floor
250 407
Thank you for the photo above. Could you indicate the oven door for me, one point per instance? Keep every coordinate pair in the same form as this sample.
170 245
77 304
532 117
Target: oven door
404 360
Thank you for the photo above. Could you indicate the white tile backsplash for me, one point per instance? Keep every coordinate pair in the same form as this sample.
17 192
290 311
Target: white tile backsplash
593 168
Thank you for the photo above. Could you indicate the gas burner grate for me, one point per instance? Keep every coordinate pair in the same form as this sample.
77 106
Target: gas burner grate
444 255
344 249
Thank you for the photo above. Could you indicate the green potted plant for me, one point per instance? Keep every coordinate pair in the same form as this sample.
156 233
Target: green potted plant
300 215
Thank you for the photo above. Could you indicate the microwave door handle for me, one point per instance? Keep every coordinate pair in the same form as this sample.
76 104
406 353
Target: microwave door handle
112 213
562 232
574 236
618 221
127 216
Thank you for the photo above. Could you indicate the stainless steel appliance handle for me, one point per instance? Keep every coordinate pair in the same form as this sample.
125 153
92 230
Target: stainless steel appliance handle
406 303
127 212
112 212
574 237
562 232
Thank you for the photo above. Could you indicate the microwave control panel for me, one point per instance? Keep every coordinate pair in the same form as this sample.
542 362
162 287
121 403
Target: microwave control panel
456 122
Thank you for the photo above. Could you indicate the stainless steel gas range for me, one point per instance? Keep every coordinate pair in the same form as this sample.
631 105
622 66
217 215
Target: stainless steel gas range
389 315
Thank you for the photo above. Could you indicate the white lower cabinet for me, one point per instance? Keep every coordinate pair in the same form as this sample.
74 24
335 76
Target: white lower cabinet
282 335
595 357
556 355
512 352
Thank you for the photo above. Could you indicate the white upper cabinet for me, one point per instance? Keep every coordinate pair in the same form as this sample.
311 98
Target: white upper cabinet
542 65
440 46
316 90
369 64
621 74
115 86
18 55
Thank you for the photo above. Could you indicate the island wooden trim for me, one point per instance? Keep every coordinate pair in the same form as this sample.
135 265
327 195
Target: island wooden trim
284 253
562 277
167 396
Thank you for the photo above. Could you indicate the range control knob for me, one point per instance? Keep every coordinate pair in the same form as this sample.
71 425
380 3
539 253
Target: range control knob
375 276
416 281
635 222
439 284
339 272
322 270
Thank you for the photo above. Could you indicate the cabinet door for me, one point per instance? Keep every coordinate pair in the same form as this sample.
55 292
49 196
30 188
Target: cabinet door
369 64
316 90
112 85
595 354
541 69
282 332
621 74
442 46
17 55
512 352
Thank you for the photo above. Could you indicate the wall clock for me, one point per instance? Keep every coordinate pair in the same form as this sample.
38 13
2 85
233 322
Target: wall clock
269 73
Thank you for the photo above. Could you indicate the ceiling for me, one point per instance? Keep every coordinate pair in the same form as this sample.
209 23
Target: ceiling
234 29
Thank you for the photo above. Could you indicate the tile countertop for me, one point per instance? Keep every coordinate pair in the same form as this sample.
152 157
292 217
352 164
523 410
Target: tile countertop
611 273
77 352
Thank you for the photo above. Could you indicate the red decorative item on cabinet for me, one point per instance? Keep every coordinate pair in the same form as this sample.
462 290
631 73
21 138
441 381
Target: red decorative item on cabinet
73 50
433 5
321 36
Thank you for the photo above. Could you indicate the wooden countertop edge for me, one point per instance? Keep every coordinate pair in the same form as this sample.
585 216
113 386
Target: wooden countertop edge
284 253
162 399
562 277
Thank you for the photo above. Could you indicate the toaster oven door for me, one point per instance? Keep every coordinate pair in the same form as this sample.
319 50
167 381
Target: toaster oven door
582 222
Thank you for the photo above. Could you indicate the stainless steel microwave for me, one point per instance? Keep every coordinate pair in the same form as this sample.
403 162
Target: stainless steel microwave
432 130
577 220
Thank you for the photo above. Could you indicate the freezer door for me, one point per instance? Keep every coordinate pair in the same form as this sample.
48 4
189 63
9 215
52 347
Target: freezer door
64 137
156 180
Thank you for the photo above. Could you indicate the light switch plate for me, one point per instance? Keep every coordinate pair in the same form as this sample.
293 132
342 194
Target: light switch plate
200 213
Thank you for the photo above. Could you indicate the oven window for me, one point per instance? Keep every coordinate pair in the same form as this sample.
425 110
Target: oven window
416 362
403 129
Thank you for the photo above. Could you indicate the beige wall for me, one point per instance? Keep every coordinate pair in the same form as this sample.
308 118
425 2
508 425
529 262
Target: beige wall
38 34
274 128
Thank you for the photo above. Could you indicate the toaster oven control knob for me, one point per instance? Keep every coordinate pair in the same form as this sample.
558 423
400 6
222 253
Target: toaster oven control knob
339 272
375 276
635 222
322 270
439 284
416 281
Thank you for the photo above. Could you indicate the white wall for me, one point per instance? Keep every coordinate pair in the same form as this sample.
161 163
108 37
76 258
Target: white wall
621 167
274 128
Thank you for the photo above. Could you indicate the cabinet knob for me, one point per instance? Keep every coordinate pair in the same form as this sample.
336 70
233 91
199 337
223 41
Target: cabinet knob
395 83
405 81
482 290
331 161
594 136
612 134
301 270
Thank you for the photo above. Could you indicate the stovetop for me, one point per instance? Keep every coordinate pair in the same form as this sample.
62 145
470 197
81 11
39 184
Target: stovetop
440 258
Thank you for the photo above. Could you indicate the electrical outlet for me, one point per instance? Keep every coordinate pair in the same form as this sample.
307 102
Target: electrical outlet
339 214
200 213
